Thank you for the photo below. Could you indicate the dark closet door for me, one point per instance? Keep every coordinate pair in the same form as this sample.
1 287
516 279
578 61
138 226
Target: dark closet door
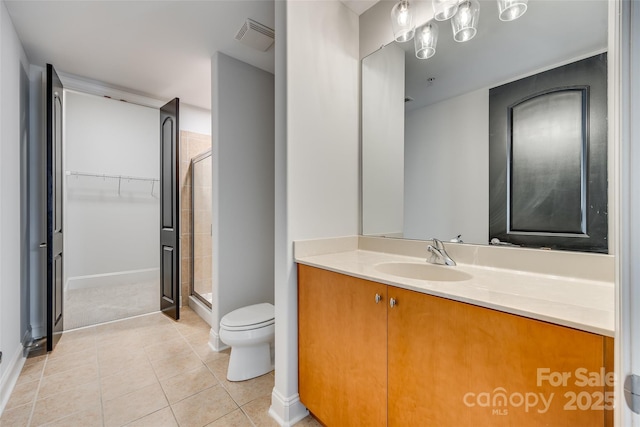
169 210
54 177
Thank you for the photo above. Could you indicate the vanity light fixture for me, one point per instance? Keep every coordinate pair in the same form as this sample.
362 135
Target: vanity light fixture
444 9
464 15
402 21
465 22
426 39
508 10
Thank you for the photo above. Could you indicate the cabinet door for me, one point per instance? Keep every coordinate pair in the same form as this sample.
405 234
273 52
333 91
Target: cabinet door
455 364
427 361
342 341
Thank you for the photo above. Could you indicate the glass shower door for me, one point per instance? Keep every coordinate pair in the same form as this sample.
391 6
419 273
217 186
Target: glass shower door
201 211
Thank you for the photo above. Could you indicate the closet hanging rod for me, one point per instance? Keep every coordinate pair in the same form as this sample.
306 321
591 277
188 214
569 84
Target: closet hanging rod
97 175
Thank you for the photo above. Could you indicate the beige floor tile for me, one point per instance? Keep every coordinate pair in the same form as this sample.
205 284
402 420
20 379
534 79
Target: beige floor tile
151 335
135 405
309 421
167 349
236 418
117 341
88 418
200 336
167 368
258 411
245 391
199 342
190 323
107 330
23 393
67 391
161 418
72 345
16 417
34 359
79 334
218 364
136 323
131 378
69 379
56 365
63 404
204 407
31 372
129 344
120 361
187 384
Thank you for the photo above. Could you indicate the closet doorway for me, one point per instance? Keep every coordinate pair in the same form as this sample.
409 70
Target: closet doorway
111 209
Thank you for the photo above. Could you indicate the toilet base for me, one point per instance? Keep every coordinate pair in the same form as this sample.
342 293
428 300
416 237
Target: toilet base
249 362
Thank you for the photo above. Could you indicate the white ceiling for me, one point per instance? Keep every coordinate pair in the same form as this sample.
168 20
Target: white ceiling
158 48
549 33
359 6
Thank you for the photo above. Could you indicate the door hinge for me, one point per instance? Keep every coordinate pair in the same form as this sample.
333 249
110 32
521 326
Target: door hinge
632 392
0 357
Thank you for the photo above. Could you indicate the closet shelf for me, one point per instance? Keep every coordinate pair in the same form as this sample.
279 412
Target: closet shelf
107 176
120 178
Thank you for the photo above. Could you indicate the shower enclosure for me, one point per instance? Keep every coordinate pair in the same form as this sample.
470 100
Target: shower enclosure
201 228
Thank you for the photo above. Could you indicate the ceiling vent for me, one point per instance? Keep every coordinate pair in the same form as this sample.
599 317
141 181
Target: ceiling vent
255 35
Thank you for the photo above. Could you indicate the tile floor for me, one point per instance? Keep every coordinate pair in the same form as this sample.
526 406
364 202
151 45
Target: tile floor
145 371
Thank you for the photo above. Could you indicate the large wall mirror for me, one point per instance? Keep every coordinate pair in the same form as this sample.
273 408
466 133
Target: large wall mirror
425 123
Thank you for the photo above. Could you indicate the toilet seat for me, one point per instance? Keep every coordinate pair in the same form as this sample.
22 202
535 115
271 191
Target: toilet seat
250 317
247 327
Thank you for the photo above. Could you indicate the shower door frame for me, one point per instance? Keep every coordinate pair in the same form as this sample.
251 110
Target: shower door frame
192 287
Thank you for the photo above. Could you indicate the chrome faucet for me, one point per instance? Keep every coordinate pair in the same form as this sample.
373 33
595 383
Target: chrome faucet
438 254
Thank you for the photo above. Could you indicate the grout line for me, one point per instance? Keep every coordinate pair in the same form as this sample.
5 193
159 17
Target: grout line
99 378
248 417
35 397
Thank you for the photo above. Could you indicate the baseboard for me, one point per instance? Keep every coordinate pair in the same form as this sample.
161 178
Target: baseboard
10 377
287 410
215 343
201 310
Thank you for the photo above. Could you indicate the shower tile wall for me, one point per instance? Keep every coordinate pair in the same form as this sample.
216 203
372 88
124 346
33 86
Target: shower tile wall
191 144
202 214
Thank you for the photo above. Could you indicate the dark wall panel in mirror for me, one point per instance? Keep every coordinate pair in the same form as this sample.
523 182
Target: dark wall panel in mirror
548 158
548 141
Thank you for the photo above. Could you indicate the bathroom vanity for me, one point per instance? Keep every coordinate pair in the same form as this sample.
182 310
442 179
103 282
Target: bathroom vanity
381 342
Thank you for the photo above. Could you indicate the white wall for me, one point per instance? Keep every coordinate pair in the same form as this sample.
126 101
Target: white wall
317 171
195 119
243 186
14 105
447 169
383 153
106 232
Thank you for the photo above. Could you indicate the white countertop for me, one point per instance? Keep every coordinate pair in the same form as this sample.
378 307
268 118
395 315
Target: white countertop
582 304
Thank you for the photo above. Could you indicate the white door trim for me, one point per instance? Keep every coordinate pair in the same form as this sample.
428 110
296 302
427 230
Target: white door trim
624 19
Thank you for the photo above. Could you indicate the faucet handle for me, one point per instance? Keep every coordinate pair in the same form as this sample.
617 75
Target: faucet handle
437 243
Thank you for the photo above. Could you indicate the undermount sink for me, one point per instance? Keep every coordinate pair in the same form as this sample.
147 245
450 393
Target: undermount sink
431 272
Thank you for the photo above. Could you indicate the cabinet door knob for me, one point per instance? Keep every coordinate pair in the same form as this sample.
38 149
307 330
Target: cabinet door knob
378 298
392 302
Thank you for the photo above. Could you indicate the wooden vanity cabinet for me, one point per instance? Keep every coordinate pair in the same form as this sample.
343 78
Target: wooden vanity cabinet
430 361
342 348
456 364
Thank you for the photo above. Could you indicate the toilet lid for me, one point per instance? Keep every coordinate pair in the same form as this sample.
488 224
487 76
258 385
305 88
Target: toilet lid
250 315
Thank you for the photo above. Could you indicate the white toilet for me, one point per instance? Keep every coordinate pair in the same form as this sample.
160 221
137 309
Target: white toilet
249 331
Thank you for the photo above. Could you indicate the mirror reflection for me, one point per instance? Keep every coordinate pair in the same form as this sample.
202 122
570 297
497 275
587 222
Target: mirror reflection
425 123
